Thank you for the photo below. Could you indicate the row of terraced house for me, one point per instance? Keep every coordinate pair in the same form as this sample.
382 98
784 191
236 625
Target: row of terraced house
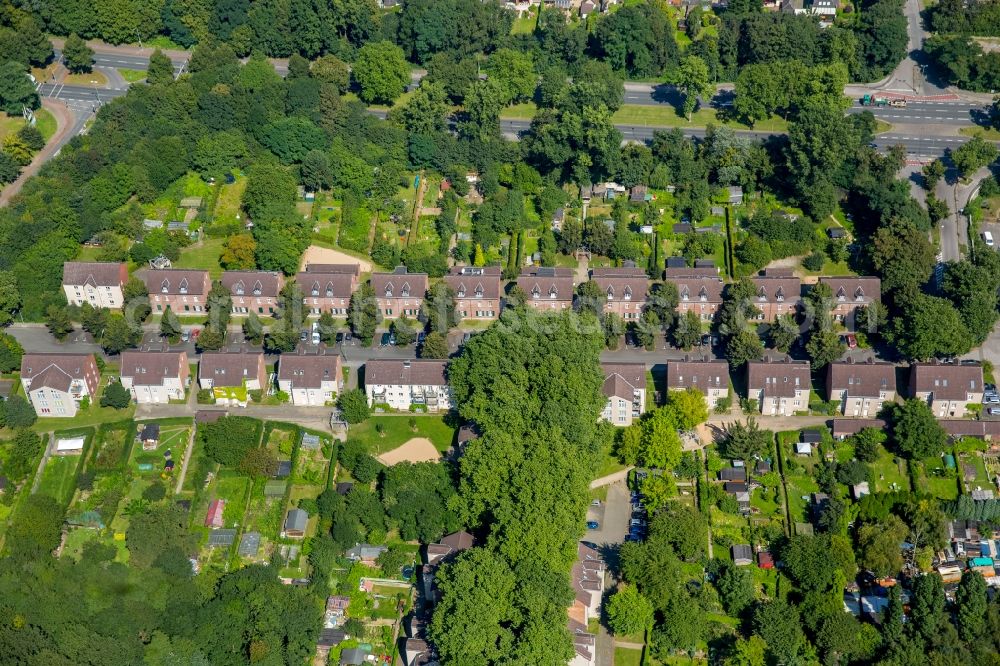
478 290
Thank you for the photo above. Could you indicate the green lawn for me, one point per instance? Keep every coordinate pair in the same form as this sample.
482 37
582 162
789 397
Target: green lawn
44 121
397 431
232 489
132 75
203 255
91 416
934 478
228 205
59 478
890 473
662 115
525 24
985 132
627 657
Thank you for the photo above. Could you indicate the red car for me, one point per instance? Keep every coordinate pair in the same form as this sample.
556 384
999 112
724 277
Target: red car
851 341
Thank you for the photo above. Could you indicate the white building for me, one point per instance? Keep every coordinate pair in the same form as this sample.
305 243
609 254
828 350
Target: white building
56 383
155 377
310 379
625 388
400 384
94 282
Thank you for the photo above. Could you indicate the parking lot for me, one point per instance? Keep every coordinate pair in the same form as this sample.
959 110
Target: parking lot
612 516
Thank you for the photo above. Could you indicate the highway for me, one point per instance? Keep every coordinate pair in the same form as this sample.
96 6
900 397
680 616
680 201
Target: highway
925 146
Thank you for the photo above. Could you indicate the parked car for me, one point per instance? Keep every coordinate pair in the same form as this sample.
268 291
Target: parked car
851 340
384 342
185 336
421 336
304 335
348 339
993 411
340 338
592 525
392 339
315 333
595 502
636 522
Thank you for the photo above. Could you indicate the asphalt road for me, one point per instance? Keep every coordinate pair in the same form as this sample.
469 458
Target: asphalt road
929 146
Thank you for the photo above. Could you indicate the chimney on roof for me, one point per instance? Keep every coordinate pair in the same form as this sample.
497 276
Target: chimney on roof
870 360
850 359
406 364
400 270
687 357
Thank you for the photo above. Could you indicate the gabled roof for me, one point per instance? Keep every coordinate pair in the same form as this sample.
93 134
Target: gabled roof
56 371
94 273
405 373
857 290
348 269
698 289
262 284
774 286
547 284
946 381
176 281
309 370
778 378
315 284
861 380
150 368
621 380
474 282
230 368
621 287
700 374
399 284
296 520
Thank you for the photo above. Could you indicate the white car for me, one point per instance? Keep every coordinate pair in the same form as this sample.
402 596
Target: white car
988 237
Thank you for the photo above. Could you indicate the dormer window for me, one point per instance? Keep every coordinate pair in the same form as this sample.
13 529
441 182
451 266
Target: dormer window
239 288
761 294
685 294
461 291
841 294
165 286
329 290
703 294
406 290
553 292
535 292
779 295
258 288
627 294
479 291
314 290
183 288
611 293
859 294
388 290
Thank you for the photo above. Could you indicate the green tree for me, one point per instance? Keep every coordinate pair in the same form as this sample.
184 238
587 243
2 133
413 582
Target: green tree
825 347
35 529
742 347
744 441
258 462
915 431
11 352
426 112
868 444
119 334
661 445
228 440
403 331
253 329
77 56
435 346
970 598
927 608
515 71
687 330
628 611
736 589
689 407
973 155
238 253
331 70
438 308
16 89
170 325
880 546
381 72
933 172
779 625
483 103
58 322
353 405
365 315
10 297
694 80
682 528
748 652
783 333
160 70
115 395
18 413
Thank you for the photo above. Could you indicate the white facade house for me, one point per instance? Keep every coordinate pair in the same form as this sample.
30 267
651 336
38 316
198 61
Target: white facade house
56 383
94 282
312 380
402 384
155 377
625 388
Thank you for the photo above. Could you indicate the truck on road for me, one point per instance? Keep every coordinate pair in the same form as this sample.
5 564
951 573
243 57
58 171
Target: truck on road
877 101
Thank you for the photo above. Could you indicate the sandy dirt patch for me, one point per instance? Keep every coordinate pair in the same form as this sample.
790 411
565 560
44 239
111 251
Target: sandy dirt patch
418 449
315 254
